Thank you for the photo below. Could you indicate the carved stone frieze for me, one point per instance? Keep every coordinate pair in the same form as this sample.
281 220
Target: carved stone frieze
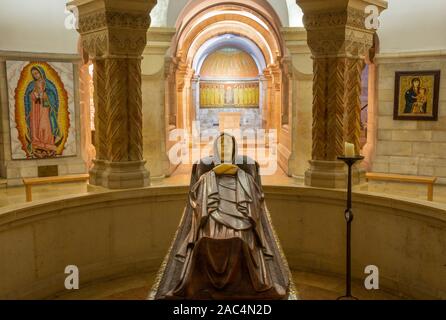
338 32
109 19
349 17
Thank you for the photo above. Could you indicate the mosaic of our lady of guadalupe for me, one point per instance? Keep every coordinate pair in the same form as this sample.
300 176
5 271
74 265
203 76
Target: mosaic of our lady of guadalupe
42 115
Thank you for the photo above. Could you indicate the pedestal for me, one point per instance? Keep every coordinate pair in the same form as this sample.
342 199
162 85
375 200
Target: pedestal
332 174
97 172
125 175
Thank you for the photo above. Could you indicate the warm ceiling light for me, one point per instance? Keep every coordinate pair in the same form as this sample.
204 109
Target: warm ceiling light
218 25
240 13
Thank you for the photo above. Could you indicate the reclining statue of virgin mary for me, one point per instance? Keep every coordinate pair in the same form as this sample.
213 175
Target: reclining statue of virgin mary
225 247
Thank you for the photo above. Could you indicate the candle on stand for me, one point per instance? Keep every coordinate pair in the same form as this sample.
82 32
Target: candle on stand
349 150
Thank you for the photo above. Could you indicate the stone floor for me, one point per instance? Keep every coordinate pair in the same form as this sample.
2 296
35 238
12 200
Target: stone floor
310 286
16 195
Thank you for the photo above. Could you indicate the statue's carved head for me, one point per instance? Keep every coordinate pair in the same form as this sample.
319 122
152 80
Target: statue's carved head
225 148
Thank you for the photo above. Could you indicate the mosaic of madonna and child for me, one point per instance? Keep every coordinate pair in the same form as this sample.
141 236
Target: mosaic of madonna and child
416 95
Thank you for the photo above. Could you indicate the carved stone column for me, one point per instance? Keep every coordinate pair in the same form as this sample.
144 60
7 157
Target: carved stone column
263 100
339 42
267 111
100 122
113 33
276 72
189 115
180 76
195 89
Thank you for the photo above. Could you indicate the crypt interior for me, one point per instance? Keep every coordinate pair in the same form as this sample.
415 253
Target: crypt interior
136 93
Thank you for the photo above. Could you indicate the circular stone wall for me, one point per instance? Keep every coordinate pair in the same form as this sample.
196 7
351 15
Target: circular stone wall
121 233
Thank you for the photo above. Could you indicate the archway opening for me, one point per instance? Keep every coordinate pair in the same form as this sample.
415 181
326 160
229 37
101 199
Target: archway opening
229 69
228 72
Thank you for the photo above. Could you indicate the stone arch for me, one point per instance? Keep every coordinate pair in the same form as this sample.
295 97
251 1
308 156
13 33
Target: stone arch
232 40
261 7
255 20
187 30
229 28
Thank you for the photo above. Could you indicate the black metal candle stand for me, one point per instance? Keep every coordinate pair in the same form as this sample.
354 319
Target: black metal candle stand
348 214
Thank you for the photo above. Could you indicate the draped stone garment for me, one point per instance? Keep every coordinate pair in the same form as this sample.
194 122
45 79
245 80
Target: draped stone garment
216 255
225 246
226 207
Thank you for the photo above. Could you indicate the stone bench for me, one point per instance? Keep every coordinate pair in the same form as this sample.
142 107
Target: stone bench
29 182
429 181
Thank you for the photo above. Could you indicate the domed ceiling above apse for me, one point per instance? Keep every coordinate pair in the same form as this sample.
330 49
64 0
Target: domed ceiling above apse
229 64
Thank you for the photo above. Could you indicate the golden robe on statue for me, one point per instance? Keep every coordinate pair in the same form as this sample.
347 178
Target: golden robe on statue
225 247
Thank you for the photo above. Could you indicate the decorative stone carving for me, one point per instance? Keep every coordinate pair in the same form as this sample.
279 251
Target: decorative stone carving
319 109
114 35
225 247
338 32
100 122
353 100
100 118
116 19
339 42
335 91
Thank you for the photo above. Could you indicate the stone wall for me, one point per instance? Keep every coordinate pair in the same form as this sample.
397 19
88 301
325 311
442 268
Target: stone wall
409 147
131 231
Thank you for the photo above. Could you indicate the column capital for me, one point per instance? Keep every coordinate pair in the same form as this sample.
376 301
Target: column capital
339 39
337 28
113 28
114 34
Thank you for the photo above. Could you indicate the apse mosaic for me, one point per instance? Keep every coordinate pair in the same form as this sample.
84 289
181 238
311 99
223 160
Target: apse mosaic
229 79
229 95
41 109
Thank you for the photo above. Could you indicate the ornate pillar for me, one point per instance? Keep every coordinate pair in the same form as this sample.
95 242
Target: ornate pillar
189 115
276 110
171 91
195 90
100 122
267 111
113 33
180 76
339 42
263 91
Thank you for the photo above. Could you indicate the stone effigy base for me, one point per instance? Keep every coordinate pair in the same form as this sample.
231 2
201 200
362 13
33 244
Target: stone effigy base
170 271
